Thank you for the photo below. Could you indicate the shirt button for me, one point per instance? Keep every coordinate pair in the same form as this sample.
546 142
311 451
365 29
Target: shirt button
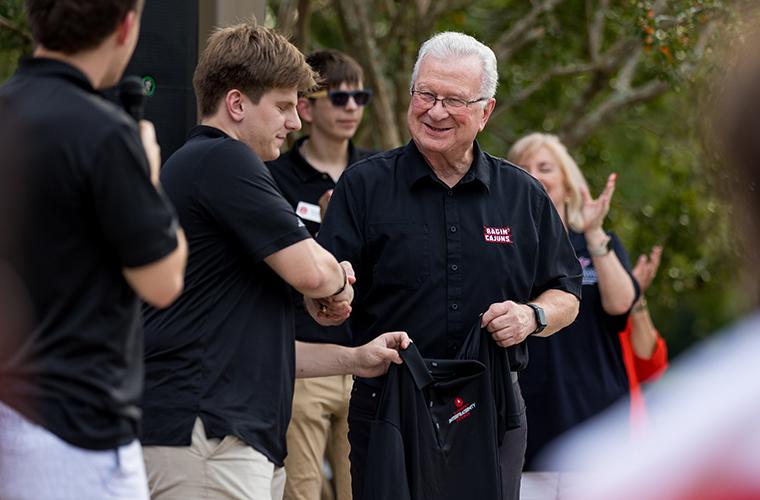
454 267
325 176
450 193
454 306
453 229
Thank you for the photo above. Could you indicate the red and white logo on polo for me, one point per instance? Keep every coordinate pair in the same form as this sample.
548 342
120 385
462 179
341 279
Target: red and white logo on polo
502 235
463 410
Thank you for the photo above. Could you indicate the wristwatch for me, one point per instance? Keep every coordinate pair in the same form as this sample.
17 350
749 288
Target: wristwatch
540 318
603 249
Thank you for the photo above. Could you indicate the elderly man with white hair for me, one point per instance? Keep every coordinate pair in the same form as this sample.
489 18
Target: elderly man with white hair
443 236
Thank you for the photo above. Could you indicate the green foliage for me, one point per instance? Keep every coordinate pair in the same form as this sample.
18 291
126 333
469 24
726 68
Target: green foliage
15 40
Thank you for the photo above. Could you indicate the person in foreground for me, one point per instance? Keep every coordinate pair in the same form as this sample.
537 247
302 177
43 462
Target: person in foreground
573 376
221 361
439 232
91 234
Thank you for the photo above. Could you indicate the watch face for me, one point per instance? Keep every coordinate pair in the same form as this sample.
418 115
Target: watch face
540 318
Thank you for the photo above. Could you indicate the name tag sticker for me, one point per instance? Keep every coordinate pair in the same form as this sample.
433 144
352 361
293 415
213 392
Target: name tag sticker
308 211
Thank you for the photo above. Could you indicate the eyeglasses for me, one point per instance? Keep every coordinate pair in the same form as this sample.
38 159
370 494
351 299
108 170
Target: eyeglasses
339 98
426 100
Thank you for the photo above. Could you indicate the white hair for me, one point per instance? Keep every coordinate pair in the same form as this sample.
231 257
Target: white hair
451 44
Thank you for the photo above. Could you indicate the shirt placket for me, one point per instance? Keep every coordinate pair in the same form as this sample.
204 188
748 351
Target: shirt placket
453 271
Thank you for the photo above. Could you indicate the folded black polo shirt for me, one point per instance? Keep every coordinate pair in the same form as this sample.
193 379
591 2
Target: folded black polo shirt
435 433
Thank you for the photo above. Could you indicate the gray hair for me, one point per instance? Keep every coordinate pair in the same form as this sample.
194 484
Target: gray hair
452 44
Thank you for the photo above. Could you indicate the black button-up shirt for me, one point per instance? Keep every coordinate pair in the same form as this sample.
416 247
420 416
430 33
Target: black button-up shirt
429 259
302 185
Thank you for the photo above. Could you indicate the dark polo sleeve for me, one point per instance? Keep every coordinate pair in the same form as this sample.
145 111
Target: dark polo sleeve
241 195
557 265
138 221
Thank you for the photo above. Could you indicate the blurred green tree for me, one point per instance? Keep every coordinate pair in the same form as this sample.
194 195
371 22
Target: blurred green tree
15 39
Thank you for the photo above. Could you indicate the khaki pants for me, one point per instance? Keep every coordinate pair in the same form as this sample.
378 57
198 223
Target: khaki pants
318 428
212 468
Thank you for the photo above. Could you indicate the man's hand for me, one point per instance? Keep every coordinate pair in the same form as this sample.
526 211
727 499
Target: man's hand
373 358
334 310
152 149
509 322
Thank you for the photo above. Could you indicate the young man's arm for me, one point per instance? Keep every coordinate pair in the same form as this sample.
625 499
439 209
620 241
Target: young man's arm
309 268
370 360
325 283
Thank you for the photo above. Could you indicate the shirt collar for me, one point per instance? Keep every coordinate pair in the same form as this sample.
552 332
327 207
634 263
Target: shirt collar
43 66
206 131
418 168
304 170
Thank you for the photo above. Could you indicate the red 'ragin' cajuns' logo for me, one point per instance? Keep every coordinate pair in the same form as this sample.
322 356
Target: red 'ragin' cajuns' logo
463 410
502 235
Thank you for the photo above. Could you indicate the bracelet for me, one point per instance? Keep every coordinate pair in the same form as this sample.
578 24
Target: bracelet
345 282
640 305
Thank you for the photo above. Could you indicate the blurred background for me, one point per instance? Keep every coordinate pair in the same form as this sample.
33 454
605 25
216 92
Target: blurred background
624 83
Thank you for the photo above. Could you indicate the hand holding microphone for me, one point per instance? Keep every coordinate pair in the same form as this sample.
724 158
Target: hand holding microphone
132 98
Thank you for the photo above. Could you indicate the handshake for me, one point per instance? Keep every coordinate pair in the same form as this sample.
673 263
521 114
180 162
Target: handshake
334 309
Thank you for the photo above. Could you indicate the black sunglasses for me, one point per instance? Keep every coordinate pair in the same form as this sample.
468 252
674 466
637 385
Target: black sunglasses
339 98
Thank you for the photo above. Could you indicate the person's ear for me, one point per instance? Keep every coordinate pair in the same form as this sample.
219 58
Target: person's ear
487 110
125 27
305 109
235 103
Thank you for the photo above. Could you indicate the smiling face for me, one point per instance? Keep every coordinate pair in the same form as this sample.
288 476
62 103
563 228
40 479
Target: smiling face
268 122
544 166
440 131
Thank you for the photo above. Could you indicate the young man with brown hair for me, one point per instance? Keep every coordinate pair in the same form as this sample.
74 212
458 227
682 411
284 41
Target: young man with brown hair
220 363
91 234
306 175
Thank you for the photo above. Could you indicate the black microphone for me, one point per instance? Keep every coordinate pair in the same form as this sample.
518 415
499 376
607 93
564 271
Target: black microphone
132 96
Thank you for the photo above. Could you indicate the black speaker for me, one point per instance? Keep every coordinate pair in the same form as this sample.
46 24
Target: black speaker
165 59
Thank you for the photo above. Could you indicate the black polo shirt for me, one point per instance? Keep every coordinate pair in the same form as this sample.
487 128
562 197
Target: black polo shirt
302 185
225 349
88 210
430 259
435 432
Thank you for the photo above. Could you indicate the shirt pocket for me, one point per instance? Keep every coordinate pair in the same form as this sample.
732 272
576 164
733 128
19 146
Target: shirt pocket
400 254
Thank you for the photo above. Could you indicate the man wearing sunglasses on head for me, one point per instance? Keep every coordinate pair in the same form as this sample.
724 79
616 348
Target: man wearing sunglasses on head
306 175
